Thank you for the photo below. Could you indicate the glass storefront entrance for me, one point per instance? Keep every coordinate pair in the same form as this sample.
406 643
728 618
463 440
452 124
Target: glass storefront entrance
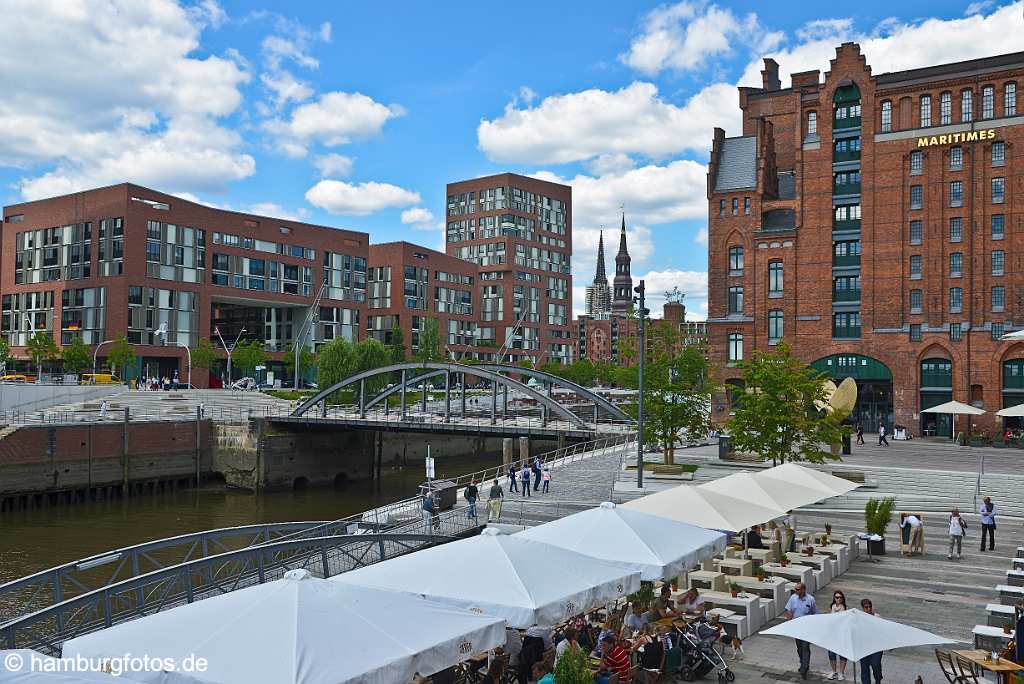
936 388
874 387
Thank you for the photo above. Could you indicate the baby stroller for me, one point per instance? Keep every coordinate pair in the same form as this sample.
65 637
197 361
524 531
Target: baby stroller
699 657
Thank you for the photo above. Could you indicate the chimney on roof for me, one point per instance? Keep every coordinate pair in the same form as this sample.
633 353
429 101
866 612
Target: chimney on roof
770 75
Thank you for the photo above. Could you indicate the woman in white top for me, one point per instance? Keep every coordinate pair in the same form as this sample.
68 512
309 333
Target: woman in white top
838 606
957 527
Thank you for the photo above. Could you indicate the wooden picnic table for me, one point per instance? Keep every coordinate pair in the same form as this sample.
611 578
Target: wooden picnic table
1002 670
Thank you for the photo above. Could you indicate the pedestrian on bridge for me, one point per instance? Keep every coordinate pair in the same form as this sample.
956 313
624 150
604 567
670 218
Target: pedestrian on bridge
524 479
546 478
471 495
957 528
881 435
512 478
537 473
494 500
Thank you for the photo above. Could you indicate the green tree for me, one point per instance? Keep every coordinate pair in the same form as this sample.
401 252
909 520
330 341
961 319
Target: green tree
397 346
430 342
77 357
41 347
677 391
778 417
248 354
121 356
5 351
307 359
204 354
370 354
336 362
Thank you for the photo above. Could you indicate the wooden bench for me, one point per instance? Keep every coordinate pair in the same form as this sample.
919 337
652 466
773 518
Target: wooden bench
999 615
1015 578
990 638
1010 595
850 475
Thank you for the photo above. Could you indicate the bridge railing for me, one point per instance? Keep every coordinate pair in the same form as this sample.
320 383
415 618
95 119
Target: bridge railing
323 556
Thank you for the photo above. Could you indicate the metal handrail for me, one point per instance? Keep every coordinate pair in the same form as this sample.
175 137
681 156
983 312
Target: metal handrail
197 579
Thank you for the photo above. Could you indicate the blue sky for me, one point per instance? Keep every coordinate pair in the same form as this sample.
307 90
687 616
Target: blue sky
357 114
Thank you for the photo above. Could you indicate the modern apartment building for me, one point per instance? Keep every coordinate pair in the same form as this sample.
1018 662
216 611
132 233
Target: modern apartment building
872 221
518 231
409 284
126 260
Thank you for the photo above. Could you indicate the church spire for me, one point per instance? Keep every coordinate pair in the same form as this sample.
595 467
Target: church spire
622 296
599 276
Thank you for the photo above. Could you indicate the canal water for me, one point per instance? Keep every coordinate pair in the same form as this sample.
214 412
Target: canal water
43 538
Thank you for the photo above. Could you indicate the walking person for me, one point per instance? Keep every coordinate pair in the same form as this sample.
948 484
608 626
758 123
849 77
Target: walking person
430 509
103 413
957 528
860 433
881 435
838 606
801 603
988 523
524 480
471 493
494 501
537 473
870 664
546 478
512 478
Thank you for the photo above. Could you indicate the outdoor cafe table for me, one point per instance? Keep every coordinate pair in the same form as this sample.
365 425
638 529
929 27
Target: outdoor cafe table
735 566
762 556
990 638
797 573
744 604
773 590
822 563
1002 670
841 554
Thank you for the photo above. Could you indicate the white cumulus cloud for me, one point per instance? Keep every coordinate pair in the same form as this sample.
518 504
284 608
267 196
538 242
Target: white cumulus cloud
333 165
100 93
694 284
335 118
684 36
359 199
632 120
419 217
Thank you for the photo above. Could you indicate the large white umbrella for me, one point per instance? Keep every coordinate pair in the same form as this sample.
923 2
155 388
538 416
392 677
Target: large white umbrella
525 582
955 408
1012 411
767 492
704 508
1011 336
827 484
854 634
303 630
655 546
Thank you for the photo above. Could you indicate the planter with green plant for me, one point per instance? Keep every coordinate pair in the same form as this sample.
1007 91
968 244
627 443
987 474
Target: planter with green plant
734 589
998 442
783 560
573 667
877 516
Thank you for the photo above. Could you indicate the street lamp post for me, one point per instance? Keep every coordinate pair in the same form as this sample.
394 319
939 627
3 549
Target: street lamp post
32 327
162 332
95 353
228 351
640 290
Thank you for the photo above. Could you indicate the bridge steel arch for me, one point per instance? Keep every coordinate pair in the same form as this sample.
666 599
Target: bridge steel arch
445 369
597 399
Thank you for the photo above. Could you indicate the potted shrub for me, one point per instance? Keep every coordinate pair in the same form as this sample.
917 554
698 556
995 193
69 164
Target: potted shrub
760 575
645 596
734 589
998 442
783 560
828 531
877 515
573 667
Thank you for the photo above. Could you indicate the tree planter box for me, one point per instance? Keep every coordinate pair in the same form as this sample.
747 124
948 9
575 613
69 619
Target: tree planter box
876 548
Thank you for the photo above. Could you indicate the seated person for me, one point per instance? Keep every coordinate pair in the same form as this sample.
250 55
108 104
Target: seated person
754 540
614 660
542 674
651 649
637 619
664 606
611 627
691 603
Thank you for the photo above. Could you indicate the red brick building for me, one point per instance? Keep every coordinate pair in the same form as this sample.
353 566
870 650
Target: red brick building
407 284
872 221
518 231
126 260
